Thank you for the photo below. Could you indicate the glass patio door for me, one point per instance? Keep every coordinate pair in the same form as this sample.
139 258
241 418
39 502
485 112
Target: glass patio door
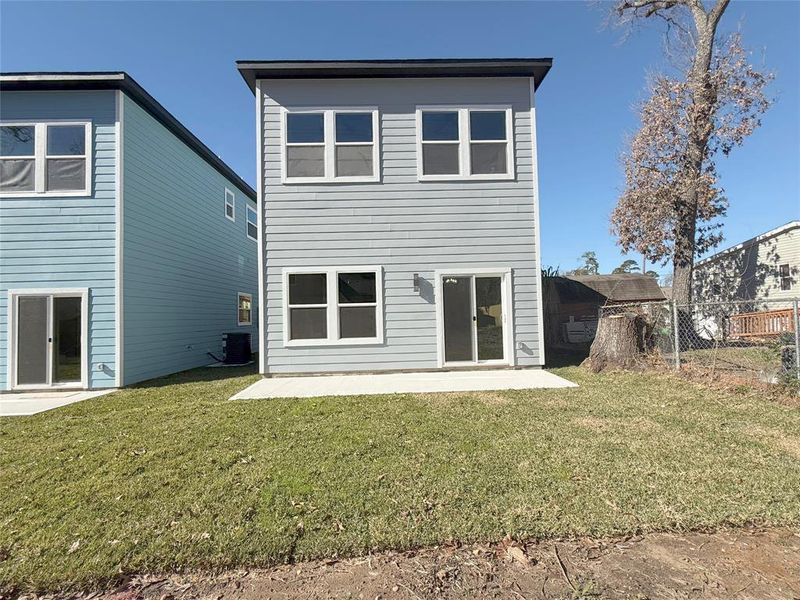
49 344
473 319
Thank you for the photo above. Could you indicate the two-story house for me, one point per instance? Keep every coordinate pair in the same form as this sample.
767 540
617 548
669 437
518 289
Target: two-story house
399 206
127 247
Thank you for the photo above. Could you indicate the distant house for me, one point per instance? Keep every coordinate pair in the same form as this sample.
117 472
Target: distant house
127 247
573 302
766 267
760 276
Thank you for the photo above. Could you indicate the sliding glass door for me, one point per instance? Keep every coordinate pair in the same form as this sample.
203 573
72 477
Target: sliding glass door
473 321
48 348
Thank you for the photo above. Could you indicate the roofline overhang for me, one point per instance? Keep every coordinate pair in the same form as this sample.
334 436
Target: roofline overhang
119 80
253 70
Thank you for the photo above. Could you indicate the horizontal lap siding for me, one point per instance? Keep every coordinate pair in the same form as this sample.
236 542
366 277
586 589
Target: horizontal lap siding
51 242
184 262
401 224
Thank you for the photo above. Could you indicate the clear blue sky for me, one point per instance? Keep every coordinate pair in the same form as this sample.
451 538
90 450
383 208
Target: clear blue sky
183 53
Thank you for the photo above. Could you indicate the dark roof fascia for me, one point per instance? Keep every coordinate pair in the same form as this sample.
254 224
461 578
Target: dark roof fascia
117 80
253 70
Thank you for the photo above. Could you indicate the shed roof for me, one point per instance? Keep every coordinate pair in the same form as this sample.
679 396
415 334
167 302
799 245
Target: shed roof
252 70
119 80
622 287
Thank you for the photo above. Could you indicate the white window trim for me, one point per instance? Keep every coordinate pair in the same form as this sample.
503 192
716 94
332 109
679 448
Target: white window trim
787 277
231 203
250 209
40 160
329 144
464 142
505 273
332 306
239 297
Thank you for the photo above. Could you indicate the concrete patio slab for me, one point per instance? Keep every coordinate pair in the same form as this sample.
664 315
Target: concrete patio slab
30 403
401 383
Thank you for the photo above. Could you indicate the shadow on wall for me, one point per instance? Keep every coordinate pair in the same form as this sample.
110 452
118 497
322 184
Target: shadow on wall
199 375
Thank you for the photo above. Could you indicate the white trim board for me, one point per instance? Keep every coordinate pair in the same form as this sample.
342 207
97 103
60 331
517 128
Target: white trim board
119 183
262 296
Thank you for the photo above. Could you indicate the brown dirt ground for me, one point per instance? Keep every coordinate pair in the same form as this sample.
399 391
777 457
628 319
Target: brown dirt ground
737 563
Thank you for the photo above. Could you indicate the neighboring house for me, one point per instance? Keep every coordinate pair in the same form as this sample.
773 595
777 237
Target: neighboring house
400 211
127 248
761 276
766 267
573 302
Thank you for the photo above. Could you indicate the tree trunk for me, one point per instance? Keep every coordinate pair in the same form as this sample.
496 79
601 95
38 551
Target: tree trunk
619 342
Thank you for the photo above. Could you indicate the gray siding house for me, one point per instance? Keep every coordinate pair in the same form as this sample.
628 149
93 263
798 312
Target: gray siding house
766 267
127 247
399 206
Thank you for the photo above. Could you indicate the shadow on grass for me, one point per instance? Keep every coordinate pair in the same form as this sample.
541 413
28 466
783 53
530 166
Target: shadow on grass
198 375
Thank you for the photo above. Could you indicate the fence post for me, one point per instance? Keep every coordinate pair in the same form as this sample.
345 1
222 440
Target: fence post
676 327
796 337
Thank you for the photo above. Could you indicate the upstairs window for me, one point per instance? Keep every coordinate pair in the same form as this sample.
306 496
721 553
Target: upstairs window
230 205
465 143
330 145
45 159
252 224
786 277
333 306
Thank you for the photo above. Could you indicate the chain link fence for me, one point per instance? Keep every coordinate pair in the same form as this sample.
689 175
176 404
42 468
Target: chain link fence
758 339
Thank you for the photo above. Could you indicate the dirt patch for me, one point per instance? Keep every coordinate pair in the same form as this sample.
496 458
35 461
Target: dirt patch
738 563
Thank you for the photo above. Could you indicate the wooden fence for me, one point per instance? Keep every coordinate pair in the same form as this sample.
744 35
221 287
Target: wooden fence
762 324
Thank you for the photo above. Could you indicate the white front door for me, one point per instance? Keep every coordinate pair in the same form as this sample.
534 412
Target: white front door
48 340
474 324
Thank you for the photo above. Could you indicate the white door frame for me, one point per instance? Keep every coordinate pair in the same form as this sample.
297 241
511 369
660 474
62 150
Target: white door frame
505 274
50 293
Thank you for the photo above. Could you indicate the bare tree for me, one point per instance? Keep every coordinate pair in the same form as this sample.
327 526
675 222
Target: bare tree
671 201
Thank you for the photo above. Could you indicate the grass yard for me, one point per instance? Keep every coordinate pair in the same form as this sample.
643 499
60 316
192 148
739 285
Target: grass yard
174 476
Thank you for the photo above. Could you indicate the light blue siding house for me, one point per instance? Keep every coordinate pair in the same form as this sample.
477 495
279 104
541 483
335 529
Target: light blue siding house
400 207
127 248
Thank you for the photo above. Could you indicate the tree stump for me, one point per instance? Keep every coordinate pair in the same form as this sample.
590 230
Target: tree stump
619 342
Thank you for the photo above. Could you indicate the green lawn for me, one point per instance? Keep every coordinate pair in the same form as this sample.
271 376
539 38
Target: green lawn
174 475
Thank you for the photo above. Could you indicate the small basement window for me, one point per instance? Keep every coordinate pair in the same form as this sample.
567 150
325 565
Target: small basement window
252 224
786 277
333 306
51 158
465 143
245 309
330 145
230 205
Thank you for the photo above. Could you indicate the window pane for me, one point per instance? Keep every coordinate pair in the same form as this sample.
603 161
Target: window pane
305 128
17 140
32 345
357 322
488 158
252 230
485 125
229 209
489 305
308 323
352 161
67 339
244 316
440 159
16 175
244 303
66 174
308 288
440 126
252 216
354 127
356 287
66 140
305 161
